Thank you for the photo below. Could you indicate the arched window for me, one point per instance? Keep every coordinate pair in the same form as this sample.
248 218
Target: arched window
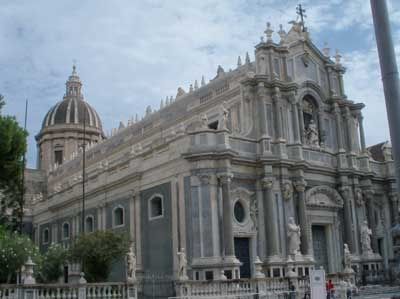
65 230
118 216
156 208
46 236
89 224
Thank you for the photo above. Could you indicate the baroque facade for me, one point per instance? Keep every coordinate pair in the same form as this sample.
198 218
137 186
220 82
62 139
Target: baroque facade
263 167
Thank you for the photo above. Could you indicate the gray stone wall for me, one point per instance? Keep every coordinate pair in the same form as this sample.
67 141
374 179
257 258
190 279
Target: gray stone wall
156 233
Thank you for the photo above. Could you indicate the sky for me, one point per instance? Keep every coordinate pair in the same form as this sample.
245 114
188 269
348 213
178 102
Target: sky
131 54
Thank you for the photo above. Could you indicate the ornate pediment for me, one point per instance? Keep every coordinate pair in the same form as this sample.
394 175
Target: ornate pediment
324 197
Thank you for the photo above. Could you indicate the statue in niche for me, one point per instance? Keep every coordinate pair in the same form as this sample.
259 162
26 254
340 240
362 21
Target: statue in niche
182 261
294 237
131 263
366 239
312 137
287 191
204 121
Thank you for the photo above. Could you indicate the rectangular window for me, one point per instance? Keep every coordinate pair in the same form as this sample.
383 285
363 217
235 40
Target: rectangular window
58 157
156 209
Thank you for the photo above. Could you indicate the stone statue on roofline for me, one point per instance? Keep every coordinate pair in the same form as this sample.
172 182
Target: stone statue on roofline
224 117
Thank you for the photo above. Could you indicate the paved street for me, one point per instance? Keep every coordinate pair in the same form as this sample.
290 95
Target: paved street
379 296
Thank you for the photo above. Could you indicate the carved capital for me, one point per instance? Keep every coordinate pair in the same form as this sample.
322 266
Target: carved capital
204 178
225 177
134 194
345 191
292 98
267 183
369 194
300 185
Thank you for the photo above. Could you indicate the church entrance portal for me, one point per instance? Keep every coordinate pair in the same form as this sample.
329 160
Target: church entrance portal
242 252
319 246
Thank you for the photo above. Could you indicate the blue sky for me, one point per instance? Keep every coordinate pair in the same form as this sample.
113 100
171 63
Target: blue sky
131 54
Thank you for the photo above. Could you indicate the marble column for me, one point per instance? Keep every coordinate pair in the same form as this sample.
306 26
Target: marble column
261 95
348 230
394 206
339 131
362 134
305 238
271 220
225 180
277 114
296 124
369 195
301 120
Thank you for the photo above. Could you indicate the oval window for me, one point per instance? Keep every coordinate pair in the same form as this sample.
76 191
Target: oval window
239 212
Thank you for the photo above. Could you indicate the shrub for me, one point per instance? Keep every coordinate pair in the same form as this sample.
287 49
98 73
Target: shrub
53 261
15 249
97 252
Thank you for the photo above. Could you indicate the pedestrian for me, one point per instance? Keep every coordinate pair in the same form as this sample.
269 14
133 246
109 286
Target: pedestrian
330 290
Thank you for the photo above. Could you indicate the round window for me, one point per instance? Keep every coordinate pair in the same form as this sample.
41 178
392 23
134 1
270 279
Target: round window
239 211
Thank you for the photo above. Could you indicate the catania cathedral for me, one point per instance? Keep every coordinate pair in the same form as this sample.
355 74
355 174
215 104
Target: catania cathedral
263 165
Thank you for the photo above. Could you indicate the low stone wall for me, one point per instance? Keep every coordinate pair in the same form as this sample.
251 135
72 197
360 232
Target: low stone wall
66 291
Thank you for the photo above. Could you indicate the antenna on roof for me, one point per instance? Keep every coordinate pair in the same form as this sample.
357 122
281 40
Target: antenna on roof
300 11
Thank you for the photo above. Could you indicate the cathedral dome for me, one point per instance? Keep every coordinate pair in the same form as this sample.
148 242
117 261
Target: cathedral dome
73 109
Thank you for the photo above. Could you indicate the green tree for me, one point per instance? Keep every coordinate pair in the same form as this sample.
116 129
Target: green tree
14 252
98 251
12 150
52 263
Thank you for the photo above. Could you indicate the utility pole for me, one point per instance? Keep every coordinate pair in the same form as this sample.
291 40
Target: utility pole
83 170
21 204
390 76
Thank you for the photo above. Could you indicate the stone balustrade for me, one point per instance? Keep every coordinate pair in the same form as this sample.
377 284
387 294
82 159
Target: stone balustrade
64 291
270 287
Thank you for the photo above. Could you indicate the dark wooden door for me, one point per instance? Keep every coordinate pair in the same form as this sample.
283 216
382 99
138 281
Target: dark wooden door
242 252
320 248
